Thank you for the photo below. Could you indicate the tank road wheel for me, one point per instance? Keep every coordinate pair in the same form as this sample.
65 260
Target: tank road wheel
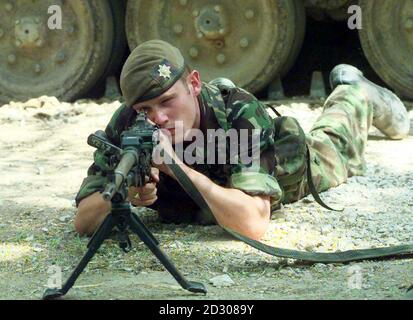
387 41
65 63
247 41
119 47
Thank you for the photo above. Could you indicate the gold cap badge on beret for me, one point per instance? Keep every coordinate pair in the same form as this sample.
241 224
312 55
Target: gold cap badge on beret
165 71
150 70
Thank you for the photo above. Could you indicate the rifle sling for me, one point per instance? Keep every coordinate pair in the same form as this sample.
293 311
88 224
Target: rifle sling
312 187
314 257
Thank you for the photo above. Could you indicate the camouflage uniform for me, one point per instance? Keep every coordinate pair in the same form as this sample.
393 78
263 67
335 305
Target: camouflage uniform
336 143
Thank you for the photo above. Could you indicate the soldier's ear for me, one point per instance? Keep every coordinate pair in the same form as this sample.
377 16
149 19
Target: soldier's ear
194 80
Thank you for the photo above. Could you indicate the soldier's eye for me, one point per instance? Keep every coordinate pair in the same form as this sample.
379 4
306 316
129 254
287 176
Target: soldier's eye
167 101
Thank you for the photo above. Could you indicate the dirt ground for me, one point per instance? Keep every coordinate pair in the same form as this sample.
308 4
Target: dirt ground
44 158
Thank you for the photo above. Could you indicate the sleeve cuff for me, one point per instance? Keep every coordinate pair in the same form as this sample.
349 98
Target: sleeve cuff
89 186
257 184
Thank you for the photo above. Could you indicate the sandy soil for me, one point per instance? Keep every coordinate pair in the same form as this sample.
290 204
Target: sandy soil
44 157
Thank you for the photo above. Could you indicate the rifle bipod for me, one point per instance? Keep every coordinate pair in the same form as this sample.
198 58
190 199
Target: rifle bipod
123 218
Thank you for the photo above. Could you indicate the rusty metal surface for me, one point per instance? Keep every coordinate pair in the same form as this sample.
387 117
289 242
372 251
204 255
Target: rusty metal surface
387 40
245 40
36 60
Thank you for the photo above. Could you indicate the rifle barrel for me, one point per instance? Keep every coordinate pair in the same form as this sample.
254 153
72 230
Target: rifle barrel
129 159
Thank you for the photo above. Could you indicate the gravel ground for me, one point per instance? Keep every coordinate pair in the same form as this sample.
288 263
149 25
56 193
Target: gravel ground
44 157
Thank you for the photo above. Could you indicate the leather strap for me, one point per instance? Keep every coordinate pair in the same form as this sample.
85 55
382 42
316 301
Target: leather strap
312 187
334 257
273 109
329 257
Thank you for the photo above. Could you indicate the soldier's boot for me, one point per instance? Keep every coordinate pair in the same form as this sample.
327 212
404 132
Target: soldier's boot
389 113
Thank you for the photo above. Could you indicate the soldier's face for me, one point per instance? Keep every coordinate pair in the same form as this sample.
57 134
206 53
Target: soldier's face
176 110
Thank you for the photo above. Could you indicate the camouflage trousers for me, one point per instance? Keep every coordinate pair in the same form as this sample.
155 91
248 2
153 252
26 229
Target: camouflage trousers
336 142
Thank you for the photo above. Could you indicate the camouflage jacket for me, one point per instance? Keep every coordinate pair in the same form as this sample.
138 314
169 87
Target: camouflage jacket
231 109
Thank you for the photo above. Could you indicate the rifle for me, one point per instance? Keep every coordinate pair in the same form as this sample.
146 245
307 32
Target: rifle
128 166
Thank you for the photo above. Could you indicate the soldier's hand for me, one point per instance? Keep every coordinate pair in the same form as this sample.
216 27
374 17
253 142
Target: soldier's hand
164 153
146 195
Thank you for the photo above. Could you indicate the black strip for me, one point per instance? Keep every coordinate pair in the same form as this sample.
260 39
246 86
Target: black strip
275 110
312 187
331 257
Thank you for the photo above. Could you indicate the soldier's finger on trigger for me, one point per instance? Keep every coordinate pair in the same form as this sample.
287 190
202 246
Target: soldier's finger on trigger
145 203
148 197
135 202
132 194
147 189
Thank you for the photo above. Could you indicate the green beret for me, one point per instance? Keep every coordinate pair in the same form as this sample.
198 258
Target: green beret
150 70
